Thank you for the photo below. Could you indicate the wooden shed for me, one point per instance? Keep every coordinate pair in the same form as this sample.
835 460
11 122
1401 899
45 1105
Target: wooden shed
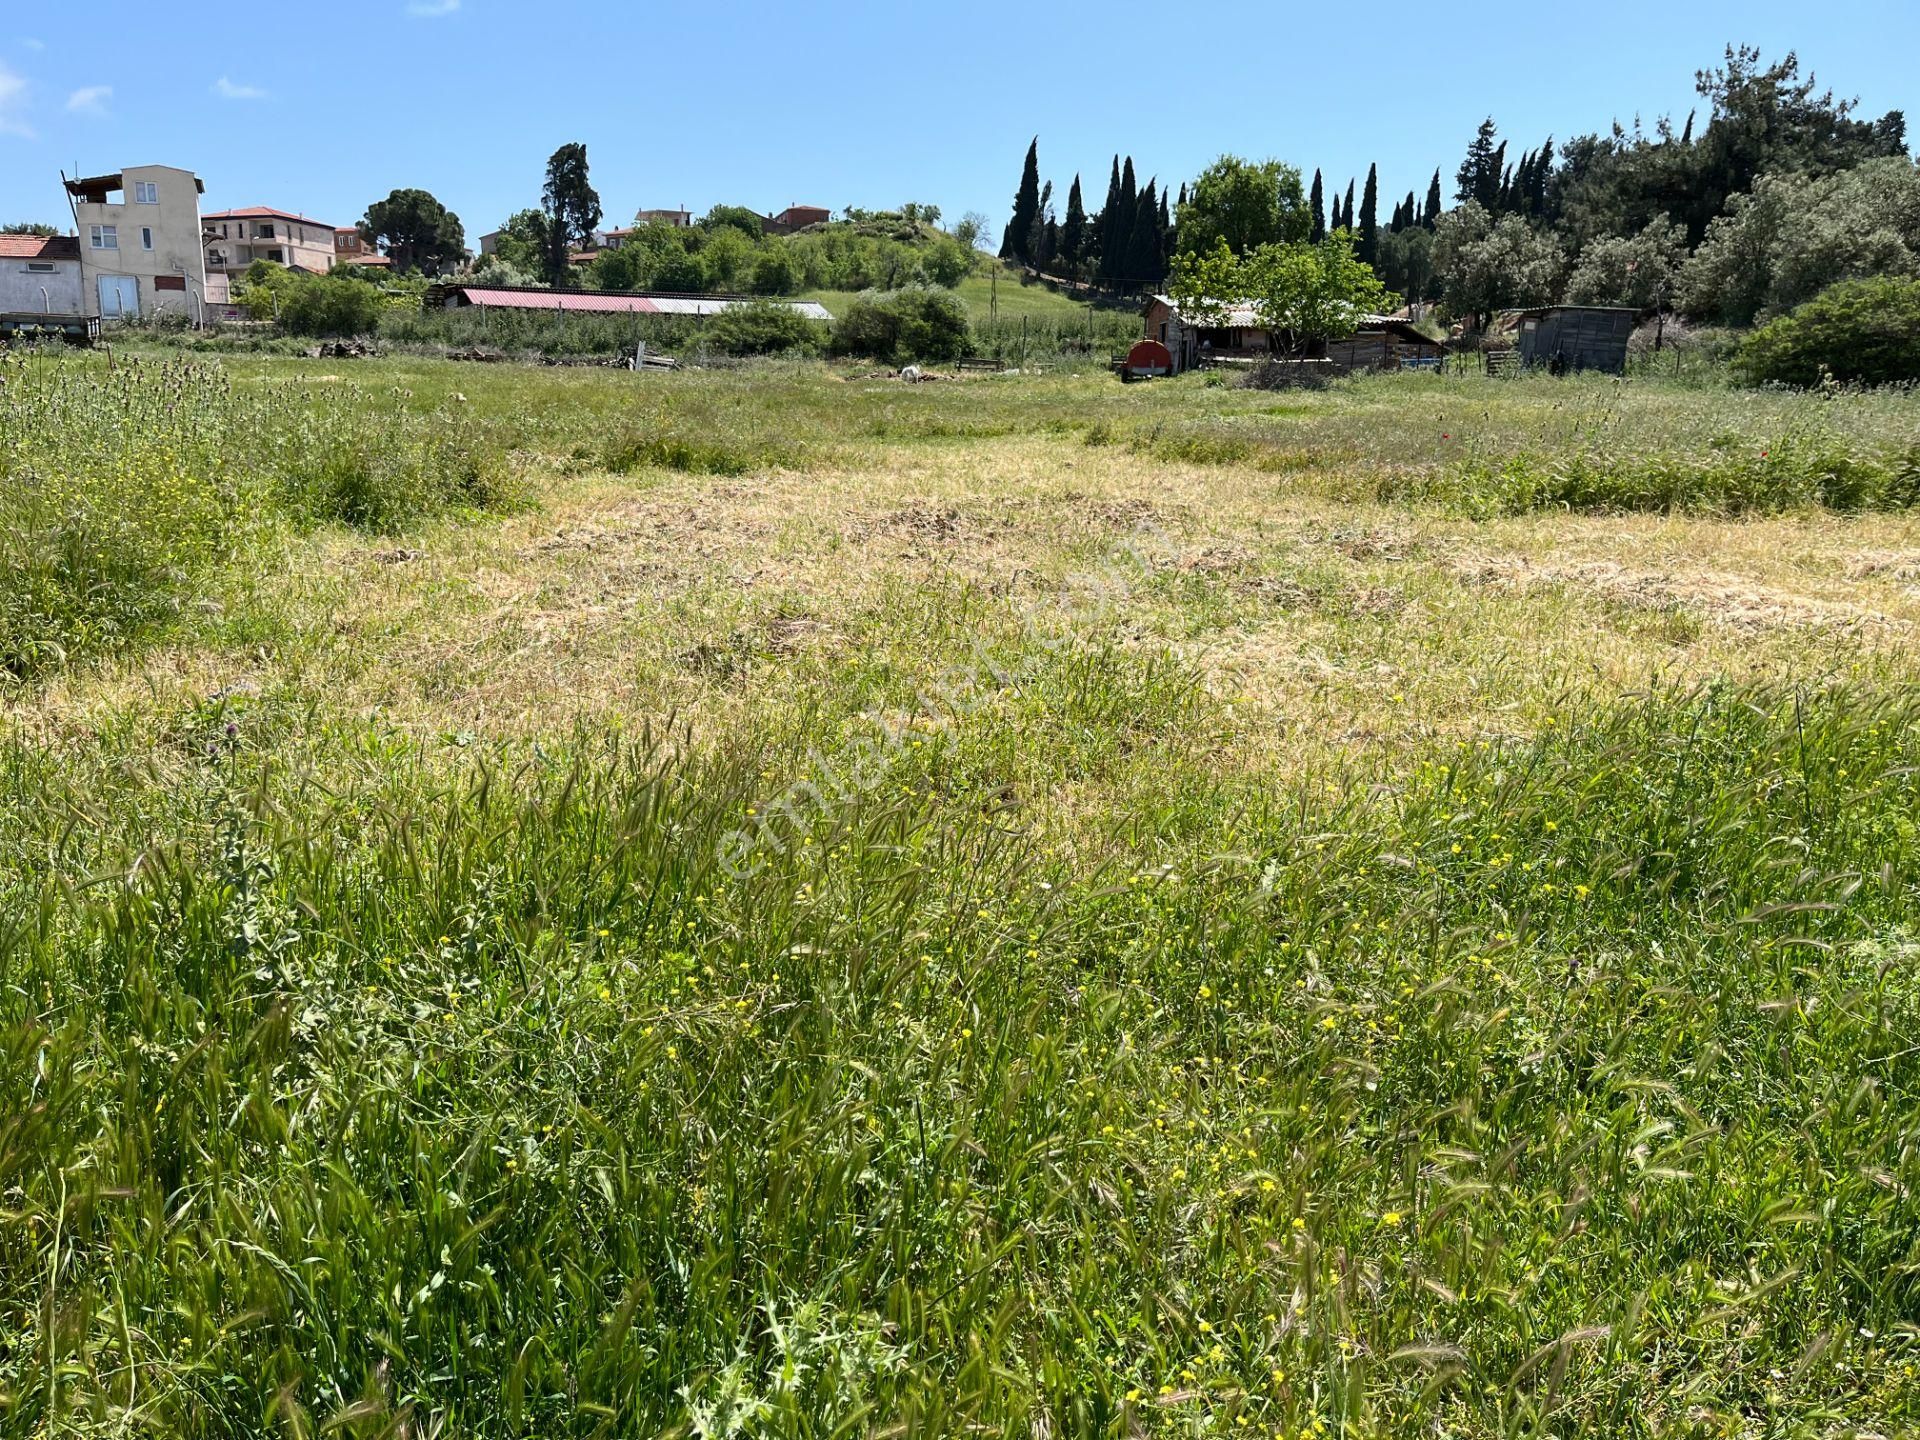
1384 342
1575 337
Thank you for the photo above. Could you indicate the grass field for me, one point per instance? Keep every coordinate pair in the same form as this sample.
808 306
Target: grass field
764 903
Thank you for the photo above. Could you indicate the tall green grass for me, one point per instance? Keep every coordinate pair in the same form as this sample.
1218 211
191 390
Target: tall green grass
1557 1086
123 485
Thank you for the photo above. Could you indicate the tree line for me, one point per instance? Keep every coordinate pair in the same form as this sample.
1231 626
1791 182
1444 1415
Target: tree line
1128 241
1769 191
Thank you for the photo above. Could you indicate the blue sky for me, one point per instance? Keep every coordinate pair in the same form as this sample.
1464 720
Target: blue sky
767 104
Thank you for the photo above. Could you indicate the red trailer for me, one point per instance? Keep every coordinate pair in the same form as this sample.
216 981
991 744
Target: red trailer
1146 358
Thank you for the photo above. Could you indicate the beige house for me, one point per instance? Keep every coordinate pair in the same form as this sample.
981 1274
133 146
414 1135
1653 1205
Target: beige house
139 237
234 239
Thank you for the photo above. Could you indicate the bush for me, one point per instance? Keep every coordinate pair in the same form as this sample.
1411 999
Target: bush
1858 332
764 327
330 305
903 325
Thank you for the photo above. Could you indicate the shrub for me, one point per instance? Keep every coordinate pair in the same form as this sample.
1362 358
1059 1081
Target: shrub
764 327
903 325
1857 332
330 305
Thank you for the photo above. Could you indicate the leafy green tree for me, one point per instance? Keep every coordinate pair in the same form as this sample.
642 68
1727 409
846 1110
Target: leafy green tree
1636 270
1485 265
728 258
970 229
572 209
776 271
28 227
416 231
1369 234
1017 239
737 217
522 242
1303 293
1246 204
1858 332
1796 235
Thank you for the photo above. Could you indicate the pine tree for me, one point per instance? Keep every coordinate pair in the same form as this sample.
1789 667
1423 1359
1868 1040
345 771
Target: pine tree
1026 206
1318 201
1433 202
1370 217
1479 173
1073 234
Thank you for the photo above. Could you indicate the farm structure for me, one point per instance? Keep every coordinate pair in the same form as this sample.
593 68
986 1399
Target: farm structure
601 302
1235 335
1574 337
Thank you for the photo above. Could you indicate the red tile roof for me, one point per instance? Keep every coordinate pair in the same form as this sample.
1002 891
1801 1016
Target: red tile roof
39 247
254 211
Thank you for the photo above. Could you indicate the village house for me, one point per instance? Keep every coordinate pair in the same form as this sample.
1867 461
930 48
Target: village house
40 275
795 217
350 247
138 231
1235 334
234 239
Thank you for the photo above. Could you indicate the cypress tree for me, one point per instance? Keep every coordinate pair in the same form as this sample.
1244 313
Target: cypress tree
1143 245
1409 216
1104 231
1123 214
1370 217
1163 240
1036 236
1433 202
1073 235
1346 215
1318 200
1542 177
1026 205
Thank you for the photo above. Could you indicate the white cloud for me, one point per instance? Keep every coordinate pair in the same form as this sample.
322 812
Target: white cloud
431 9
13 104
227 90
32 44
90 99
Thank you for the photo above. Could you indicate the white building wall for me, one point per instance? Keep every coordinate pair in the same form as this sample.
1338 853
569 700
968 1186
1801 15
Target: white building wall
38 293
174 223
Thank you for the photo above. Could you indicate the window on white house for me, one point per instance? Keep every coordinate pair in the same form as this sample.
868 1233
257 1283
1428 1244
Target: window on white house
104 237
145 192
146 237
